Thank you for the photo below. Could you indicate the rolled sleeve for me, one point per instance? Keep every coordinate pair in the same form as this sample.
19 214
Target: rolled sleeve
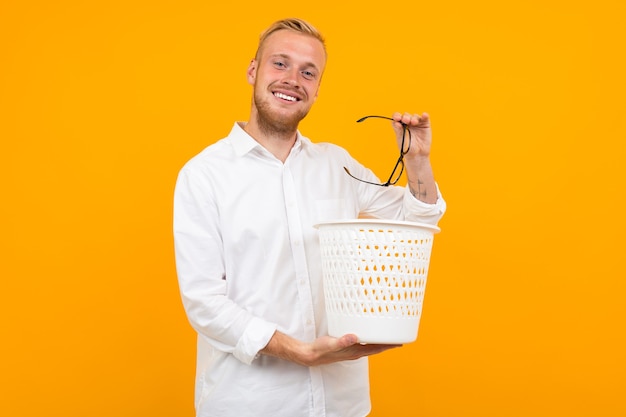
255 337
418 211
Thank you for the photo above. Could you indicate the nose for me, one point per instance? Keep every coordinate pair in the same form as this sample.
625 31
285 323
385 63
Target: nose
291 77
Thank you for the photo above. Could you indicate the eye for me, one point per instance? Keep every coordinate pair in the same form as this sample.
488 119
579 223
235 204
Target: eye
279 64
309 75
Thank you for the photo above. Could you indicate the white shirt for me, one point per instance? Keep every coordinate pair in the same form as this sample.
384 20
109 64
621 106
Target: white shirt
248 263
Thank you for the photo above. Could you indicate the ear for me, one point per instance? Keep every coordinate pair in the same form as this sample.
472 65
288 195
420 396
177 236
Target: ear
251 73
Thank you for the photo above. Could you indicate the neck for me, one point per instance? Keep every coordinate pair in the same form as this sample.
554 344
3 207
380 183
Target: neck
277 142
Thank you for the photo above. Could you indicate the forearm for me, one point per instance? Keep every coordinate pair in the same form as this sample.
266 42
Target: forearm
421 180
285 347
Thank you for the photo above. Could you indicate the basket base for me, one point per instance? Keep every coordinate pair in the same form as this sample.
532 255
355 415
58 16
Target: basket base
374 330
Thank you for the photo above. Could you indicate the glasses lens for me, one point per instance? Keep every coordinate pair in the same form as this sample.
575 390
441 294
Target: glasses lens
396 174
406 140
398 169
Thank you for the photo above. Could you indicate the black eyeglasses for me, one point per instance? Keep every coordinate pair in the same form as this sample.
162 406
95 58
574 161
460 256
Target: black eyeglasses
397 172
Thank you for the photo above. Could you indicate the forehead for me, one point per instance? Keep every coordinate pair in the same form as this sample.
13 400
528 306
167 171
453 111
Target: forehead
296 46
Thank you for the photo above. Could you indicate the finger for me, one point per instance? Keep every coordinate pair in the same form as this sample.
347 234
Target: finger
376 348
422 120
397 124
381 345
425 118
410 119
347 340
401 119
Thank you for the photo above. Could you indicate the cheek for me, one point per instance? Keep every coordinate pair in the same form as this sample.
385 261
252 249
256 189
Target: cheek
314 89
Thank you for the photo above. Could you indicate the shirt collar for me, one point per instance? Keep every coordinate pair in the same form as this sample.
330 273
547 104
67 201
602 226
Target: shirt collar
243 143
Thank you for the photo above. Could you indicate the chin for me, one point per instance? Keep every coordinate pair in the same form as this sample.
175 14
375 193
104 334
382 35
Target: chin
279 120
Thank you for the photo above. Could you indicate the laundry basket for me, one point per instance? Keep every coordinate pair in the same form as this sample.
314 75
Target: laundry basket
374 275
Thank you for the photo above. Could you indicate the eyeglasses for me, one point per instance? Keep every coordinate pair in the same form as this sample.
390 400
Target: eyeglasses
399 168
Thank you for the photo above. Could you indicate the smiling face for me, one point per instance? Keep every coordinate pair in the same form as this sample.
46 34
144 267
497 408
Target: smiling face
286 76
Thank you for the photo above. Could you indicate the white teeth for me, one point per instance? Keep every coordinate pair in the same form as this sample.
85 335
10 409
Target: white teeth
285 97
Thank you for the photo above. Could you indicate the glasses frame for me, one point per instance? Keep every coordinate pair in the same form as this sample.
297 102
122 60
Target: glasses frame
393 177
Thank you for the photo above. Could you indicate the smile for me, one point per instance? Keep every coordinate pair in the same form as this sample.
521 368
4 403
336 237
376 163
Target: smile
285 97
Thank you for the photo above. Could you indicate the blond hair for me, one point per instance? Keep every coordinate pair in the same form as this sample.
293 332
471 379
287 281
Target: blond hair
294 25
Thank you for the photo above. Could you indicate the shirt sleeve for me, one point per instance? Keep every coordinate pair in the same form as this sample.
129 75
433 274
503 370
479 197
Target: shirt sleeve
201 274
392 202
418 211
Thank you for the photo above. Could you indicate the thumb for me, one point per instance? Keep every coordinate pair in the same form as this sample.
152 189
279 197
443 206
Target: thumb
347 340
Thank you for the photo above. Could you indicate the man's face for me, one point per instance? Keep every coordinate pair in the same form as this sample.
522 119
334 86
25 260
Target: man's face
286 77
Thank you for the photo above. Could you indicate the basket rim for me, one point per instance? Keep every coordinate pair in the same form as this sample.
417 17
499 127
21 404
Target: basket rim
381 222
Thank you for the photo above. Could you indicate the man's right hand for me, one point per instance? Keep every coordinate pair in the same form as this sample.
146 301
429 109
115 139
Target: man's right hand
323 350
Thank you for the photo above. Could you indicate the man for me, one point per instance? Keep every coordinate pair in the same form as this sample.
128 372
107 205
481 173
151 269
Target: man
248 255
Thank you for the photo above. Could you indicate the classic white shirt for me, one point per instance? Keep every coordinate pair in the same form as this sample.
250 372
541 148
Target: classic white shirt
248 263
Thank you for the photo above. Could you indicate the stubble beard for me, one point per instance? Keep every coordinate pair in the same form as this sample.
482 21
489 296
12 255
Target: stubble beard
272 123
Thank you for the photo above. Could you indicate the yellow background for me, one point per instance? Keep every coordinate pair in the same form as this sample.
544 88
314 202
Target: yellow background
102 102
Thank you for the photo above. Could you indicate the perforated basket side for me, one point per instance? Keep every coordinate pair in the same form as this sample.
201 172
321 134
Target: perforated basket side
375 271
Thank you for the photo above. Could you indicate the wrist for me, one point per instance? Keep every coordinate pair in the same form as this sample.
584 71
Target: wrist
288 348
417 158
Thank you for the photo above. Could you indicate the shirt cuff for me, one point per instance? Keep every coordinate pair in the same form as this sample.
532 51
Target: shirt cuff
418 211
256 336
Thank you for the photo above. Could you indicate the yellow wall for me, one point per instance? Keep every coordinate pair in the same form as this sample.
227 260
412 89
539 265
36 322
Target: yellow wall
102 102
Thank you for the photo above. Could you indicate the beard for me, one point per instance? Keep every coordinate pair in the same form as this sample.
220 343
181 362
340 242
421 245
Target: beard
274 123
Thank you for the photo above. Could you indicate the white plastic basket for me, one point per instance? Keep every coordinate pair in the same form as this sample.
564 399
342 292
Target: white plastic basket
375 277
